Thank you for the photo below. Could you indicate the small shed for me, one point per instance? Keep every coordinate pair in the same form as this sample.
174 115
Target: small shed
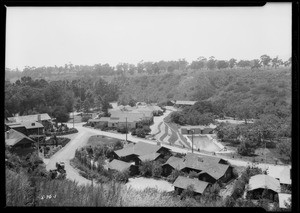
260 183
182 183
121 166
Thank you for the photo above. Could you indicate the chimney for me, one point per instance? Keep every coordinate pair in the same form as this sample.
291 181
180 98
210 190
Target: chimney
39 118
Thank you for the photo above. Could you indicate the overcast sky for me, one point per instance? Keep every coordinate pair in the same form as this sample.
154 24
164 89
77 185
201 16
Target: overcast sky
40 36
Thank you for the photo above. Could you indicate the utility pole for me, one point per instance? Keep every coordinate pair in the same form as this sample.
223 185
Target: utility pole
192 141
126 129
73 118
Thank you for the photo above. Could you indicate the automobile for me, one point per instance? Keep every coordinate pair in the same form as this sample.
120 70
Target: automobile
60 165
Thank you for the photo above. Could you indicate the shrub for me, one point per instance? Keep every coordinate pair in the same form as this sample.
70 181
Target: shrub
193 174
174 175
245 149
188 192
146 168
156 169
121 176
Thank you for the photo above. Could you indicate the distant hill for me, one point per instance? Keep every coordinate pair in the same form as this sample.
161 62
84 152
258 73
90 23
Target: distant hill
212 85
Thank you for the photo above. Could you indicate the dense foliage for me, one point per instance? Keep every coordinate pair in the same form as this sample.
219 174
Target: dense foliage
57 98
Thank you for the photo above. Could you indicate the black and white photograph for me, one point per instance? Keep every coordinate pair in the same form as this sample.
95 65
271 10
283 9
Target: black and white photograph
148 106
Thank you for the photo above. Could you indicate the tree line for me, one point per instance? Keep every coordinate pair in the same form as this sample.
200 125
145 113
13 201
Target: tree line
148 67
57 98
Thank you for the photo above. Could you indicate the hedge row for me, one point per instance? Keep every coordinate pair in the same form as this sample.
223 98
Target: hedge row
70 131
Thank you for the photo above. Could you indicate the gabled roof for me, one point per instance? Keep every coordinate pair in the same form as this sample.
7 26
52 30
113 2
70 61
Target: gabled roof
183 182
202 158
118 165
264 181
29 118
285 176
13 137
130 115
207 164
139 149
216 171
150 157
28 125
284 198
175 162
125 151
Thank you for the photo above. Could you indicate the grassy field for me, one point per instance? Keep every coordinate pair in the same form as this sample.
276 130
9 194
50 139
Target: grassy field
100 139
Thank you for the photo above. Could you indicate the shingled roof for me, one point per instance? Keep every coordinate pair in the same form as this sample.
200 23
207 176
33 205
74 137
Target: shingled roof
150 157
29 118
264 181
198 185
118 165
204 164
13 137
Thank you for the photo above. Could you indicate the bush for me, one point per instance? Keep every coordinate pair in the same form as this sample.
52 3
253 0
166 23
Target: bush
174 175
156 169
121 176
146 168
244 149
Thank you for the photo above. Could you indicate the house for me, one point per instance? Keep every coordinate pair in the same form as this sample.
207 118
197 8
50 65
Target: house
34 128
208 168
43 118
182 183
121 166
284 200
16 140
101 121
141 151
258 183
285 177
27 128
184 103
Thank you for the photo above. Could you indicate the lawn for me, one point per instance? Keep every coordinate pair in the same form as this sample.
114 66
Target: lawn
101 139
142 183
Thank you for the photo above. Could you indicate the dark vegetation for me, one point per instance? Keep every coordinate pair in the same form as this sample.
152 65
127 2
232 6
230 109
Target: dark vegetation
57 98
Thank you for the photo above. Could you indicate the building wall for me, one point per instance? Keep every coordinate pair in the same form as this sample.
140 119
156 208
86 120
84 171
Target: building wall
21 129
167 170
207 178
227 176
35 131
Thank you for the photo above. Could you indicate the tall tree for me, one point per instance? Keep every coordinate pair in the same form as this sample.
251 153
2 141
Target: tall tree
265 59
232 62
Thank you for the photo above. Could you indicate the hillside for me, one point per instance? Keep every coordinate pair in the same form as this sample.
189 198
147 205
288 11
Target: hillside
256 85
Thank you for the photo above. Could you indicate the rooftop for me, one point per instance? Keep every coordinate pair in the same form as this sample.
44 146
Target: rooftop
29 118
118 165
264 181
13 137
183 182
140 149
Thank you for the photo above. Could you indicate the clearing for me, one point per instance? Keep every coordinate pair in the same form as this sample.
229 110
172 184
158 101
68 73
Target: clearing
142 183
